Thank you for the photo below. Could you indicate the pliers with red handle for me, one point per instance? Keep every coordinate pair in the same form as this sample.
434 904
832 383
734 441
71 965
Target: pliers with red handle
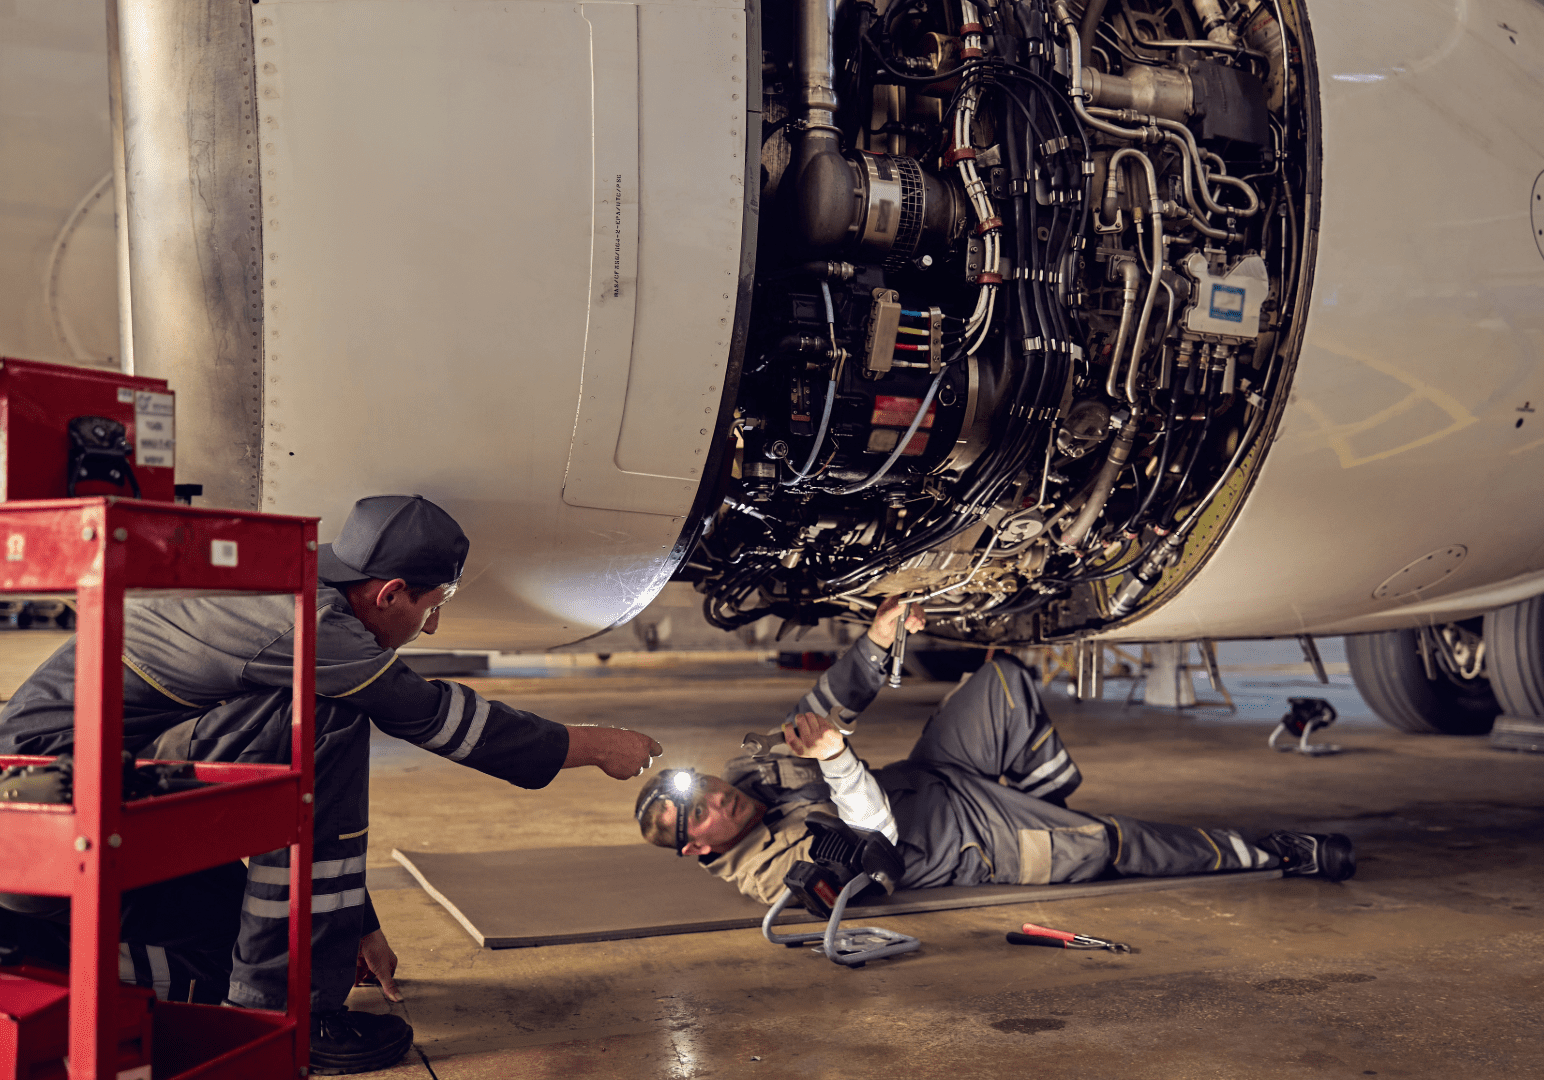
1060 939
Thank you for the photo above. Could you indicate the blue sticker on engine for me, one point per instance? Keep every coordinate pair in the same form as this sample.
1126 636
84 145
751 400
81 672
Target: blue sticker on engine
1227 303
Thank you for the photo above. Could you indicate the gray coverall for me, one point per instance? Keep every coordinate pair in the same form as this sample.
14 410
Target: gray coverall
980 799
208 679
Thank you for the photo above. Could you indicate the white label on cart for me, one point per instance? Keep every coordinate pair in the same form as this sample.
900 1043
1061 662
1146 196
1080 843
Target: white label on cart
222 553
125 395
154 431
15 547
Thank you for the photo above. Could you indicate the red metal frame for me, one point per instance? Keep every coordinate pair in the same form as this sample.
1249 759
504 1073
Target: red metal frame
94 850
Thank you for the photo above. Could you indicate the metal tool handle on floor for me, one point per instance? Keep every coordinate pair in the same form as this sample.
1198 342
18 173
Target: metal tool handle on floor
1044 935
897 660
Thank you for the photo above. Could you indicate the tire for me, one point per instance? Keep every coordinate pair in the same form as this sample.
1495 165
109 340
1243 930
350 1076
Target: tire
1514 656
1391 677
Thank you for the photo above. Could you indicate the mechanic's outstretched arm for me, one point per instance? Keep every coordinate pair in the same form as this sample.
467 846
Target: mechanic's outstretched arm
446 718
619 753
850 684
859 799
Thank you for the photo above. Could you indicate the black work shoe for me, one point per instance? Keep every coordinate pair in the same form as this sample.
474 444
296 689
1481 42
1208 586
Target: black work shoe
355 1042
1323 855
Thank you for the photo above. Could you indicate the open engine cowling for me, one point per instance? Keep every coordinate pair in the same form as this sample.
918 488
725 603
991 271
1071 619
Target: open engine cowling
1028 294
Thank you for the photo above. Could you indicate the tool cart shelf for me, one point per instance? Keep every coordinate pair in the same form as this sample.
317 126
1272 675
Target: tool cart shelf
94 850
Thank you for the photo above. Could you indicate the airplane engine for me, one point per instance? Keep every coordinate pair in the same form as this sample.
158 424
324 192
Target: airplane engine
1030 293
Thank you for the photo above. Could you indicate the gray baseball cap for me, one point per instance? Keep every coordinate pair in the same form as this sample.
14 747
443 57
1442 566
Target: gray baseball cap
395 536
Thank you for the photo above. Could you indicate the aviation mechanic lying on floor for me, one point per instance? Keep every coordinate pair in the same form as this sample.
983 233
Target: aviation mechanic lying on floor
209 679
944 807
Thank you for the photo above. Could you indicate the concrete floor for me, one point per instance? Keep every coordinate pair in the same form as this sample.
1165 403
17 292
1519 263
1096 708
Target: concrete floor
1428 964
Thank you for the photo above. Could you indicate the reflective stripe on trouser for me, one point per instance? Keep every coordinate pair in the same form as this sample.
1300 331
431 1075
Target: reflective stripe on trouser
257 728
1152 849
338 900
148 965
175 936
995 725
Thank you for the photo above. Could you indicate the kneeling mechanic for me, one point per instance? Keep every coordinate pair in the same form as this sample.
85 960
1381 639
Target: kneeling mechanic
208 679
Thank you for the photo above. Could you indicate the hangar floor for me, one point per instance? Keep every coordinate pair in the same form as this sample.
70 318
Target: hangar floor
1428 964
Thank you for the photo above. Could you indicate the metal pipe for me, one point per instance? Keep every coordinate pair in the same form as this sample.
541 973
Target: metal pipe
1234 182
1150 134
1131 275
1195 216
1155 269
1200 225
817 75
1077 91
1204 187
1207 46
1154 90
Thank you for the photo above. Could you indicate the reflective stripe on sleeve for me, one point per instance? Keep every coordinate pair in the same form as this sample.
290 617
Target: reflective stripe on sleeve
320 903
1051 785
331 868
337 901
452 718
474 733
1043 771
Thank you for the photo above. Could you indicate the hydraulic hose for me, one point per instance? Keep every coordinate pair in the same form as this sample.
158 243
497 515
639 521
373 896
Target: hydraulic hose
1093 11
1195 454
1103 487
1163 464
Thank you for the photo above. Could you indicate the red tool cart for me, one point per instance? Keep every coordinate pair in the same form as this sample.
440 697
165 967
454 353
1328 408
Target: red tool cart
99 847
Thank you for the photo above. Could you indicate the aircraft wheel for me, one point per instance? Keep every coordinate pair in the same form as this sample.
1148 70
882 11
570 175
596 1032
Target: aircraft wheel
1514 658
1390 673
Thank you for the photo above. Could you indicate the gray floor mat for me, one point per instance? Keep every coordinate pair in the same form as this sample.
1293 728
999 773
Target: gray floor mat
556 896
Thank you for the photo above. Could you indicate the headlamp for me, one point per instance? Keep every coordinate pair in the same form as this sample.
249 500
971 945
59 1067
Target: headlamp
678 786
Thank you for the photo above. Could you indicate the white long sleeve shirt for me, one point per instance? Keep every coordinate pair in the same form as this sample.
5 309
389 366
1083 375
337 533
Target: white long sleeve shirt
858 798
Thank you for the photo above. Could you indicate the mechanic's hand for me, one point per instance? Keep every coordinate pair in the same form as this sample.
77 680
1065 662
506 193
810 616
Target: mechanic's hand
883 630
813 736
376 957
619 753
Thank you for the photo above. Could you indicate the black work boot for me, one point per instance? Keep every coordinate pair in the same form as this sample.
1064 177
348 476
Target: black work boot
355 1042
1323 855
